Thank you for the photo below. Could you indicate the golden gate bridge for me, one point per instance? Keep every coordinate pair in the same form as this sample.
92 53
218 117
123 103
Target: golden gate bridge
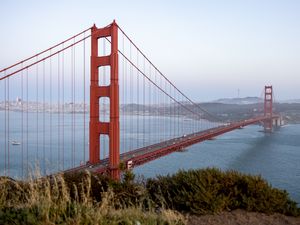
96 101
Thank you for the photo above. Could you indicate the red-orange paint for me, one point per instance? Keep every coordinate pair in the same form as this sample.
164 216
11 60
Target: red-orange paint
111 128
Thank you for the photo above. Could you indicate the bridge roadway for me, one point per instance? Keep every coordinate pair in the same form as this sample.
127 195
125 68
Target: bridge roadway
143 155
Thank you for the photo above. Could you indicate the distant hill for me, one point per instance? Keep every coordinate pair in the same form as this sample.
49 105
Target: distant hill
250 100
239 101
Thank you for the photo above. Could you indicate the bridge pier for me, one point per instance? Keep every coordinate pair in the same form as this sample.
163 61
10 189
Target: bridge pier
272 124
278 122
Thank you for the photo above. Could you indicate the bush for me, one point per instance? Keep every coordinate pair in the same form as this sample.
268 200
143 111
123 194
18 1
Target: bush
210 190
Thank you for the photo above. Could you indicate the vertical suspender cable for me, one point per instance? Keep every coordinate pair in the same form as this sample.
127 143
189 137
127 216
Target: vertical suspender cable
200 121
162 130
131 102
22 118
138 102
27 127
198 116
5 125
74 103
150 109
50 110
176 113
72 112
156 114
63 108
73 106
154 110
37 111
144 105
195 119
126 103
58 110
166 112
184 123
44 120
177 110
180 116
8 130
84 101
171 111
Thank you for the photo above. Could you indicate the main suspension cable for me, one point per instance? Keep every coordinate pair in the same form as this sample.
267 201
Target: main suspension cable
42 59
42 52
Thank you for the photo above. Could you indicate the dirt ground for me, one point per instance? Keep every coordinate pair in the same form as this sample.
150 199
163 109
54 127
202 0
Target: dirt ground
240 217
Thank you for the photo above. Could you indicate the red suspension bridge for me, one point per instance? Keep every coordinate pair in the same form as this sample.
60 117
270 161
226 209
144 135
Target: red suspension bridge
95 101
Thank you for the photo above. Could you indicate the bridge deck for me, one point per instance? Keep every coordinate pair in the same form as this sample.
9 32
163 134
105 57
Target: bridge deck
149 153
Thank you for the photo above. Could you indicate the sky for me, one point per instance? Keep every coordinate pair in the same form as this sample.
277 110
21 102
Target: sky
209 49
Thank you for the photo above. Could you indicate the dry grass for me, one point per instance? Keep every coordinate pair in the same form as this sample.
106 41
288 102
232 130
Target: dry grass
52 201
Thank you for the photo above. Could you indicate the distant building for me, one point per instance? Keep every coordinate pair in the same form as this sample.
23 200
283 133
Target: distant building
18 101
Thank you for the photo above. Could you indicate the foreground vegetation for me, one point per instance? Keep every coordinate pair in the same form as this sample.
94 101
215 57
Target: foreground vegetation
84 198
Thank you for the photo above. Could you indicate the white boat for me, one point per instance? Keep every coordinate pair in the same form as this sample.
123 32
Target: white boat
15 142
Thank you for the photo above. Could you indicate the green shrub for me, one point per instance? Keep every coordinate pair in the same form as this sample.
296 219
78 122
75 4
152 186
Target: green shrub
210 190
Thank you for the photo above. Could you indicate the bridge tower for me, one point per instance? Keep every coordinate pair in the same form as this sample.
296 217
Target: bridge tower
268 108
97 91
